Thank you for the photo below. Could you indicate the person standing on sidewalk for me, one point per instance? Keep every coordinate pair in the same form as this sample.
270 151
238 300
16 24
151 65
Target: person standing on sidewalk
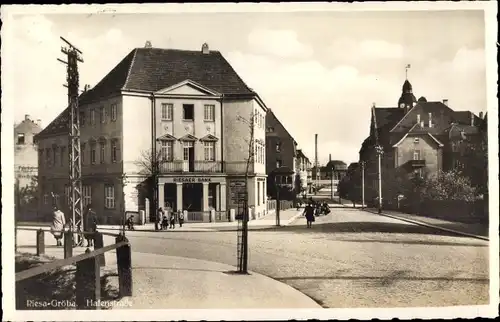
309 214
172 219
181 218
159 216
89 225
58 224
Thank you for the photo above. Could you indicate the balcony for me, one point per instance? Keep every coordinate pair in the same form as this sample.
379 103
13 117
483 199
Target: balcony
238 167
191 167
416 163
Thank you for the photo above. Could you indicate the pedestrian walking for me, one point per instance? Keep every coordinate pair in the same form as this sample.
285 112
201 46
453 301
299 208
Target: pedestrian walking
181 218
89 225
309 214
58 224
172 220
159 216
164 222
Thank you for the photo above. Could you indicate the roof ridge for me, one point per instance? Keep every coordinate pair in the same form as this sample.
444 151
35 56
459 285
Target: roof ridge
129 69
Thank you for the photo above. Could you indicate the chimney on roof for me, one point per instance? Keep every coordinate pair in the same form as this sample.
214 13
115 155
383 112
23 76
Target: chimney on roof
27 117
480 115
430 119
422 125
205 49
472 119
445 101
148 44
418 118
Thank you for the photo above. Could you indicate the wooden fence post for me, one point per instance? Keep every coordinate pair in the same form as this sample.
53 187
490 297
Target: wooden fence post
124 265
40 242
68 244
99 243
88 283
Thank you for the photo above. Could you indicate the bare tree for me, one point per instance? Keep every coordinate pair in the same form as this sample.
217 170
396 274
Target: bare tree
243 264
149 164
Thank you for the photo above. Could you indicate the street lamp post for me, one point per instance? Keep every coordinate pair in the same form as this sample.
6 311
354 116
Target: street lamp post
380 151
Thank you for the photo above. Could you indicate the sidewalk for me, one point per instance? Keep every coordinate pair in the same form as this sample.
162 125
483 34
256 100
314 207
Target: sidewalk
170 282
286 218
472 230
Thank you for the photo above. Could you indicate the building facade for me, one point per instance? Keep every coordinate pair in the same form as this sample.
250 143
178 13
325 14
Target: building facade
183 116
415 139
281 151
303 167
26 167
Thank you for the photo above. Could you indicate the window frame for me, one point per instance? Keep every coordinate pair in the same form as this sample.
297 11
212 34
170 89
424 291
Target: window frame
102 111
114 112
109 200
114 151
86 195
167 111
92 116
102 152
93 153
19 135
210 108
184 106
167 150
209 147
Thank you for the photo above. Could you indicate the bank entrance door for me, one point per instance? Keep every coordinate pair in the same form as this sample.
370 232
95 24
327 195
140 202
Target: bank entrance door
192 196
188 156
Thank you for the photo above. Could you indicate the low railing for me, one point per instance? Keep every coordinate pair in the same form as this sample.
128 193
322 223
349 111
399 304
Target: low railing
197 216
87 277
180 166
221 216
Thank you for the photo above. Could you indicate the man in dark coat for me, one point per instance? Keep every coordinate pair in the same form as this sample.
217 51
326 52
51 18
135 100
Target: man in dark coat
89 225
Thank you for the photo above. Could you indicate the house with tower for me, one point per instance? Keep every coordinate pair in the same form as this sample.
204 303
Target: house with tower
416 138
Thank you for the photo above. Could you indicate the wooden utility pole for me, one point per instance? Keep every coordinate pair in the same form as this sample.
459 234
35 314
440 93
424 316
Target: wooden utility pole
75 167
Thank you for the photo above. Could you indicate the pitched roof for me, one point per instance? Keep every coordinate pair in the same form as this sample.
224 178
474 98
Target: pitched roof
271 114
387 117
426 107
152 69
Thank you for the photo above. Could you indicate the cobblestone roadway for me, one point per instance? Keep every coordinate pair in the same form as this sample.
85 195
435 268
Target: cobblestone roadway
350 259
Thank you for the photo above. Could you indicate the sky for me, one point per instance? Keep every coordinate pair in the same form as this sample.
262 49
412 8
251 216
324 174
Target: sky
320 72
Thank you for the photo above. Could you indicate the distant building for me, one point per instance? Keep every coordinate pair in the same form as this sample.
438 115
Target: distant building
416 138
303 169
281 151
25 160
193 107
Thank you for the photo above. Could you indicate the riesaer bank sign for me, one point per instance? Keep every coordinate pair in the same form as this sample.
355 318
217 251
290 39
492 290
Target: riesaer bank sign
192 179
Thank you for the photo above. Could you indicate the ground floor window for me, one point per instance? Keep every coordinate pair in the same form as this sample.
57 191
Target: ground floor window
109 196
87 195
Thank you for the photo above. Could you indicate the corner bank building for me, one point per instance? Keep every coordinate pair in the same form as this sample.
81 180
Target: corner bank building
197 112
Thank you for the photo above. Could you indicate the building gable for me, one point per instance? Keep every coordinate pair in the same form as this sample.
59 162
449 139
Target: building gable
188 88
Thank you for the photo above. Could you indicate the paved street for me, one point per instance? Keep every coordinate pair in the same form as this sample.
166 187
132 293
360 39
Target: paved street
349 258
